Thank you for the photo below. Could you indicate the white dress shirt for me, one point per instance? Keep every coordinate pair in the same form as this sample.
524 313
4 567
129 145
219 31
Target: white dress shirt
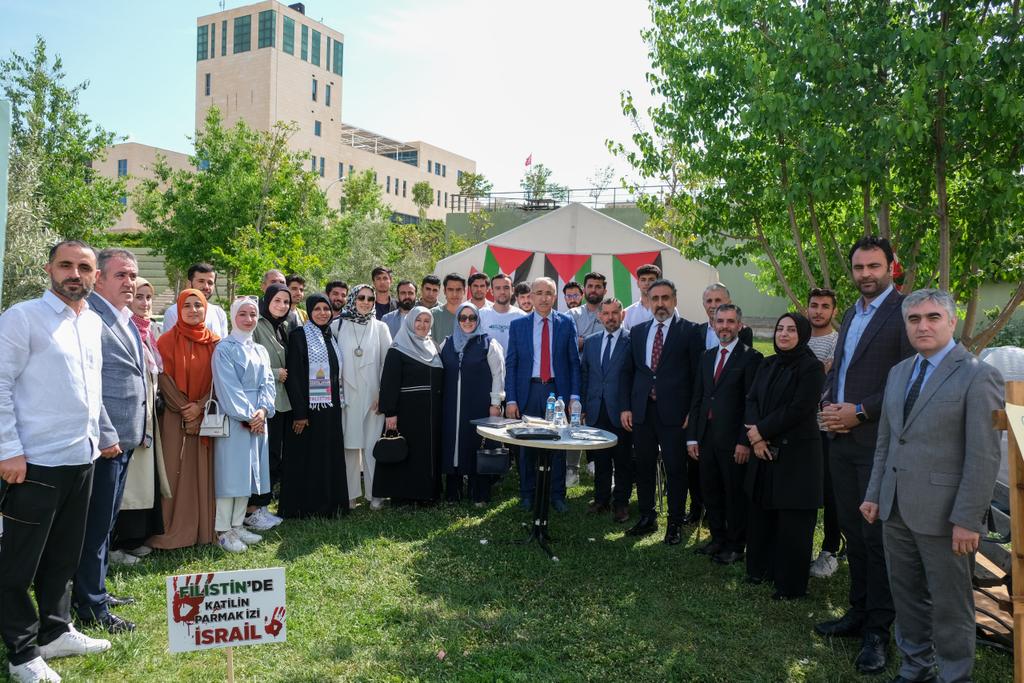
637 313
653 332
538 331
51 391
614 340
216 319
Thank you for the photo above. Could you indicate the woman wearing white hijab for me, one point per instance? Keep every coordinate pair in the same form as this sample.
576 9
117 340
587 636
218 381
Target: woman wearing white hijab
410 398
245 390
364 342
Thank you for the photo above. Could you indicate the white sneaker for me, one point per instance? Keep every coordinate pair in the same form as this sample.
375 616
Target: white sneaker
353 503
141 551
247 537
231 543
591 468
267 514
572 478
824 566
32 671
72 643
376 503
121 557
256 520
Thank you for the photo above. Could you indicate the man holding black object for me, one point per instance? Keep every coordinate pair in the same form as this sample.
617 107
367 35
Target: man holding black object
655 392
717 439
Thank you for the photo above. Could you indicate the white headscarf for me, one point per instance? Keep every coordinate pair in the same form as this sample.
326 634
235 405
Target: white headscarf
416 347
236 306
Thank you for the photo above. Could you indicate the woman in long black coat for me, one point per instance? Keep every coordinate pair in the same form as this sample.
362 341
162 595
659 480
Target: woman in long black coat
313 480
784 479
410 398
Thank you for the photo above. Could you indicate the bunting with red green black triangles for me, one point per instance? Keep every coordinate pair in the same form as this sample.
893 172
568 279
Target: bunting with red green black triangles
623 281
563 268
515 263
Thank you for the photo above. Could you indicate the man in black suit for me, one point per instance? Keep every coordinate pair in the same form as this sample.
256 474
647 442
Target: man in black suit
716 437
655 395
872 339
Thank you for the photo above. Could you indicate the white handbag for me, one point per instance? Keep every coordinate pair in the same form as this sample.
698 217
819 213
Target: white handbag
215 423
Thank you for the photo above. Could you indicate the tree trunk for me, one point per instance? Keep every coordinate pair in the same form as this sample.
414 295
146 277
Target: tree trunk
770 253
865 192
983 338
820 243
794 229
967 331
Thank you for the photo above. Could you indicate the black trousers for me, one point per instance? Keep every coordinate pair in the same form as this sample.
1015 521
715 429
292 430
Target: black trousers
724 499
618 460
779 546
648 436
870 596
44 526
830 515
276 427
693 485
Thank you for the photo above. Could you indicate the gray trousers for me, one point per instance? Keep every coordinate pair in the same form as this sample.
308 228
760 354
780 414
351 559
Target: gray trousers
931 590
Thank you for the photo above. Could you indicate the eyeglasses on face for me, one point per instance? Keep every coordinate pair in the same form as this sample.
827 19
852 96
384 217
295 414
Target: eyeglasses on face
573 296
467 318
364 298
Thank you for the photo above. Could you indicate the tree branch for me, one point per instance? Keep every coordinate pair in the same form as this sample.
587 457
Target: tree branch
794 229
770 253
819 242
984 337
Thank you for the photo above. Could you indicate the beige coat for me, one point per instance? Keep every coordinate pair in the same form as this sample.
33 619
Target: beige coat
139 487
361 380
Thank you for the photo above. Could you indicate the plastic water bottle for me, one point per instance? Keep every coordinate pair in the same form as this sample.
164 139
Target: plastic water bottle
574 411
559 412
549 410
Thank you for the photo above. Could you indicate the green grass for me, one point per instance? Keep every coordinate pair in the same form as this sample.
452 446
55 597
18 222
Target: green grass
377 595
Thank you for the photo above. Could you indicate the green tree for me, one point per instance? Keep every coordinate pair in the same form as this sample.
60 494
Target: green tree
535 181
48 126
29 236
472 187
422 197
786 130
250 206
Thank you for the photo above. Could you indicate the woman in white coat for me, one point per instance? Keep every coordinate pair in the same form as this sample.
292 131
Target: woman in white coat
245 390
363 342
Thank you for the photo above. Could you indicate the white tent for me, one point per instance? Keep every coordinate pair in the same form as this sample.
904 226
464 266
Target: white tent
569 242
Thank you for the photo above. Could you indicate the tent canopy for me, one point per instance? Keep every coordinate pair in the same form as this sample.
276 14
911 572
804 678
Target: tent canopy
574 240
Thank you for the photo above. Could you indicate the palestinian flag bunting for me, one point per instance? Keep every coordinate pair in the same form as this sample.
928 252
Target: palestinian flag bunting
515 263
564 268
623 278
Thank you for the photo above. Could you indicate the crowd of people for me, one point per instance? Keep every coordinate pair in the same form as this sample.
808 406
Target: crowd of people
120 435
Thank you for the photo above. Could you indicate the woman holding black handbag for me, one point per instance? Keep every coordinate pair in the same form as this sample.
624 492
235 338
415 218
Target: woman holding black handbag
784 478
410 398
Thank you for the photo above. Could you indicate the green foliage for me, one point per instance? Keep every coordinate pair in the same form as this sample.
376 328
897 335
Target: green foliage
252 207
474 185
64 143
29 236
422 197
787 130
535 182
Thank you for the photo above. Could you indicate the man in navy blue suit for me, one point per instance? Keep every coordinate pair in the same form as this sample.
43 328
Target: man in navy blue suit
657 383
604 354
542 358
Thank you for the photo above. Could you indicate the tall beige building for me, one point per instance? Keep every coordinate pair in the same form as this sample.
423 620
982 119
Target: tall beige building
269 62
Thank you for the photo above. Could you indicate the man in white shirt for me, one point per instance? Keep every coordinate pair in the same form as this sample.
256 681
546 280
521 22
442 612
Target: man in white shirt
202 276
640 312
497 319
51 419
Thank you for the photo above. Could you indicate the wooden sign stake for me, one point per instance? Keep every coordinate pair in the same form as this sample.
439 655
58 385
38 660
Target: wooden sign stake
231 664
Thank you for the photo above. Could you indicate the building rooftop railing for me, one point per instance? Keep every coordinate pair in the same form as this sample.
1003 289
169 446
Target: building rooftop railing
594 197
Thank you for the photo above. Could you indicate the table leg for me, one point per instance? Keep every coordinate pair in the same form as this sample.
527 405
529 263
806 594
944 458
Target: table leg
542 503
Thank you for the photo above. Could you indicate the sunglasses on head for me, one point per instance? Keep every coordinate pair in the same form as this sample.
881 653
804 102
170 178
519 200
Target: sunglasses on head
467 318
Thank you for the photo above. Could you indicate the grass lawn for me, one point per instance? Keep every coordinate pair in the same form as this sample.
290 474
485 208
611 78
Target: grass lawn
404 595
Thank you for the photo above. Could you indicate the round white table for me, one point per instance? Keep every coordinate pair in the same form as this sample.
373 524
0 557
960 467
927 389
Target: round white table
541 500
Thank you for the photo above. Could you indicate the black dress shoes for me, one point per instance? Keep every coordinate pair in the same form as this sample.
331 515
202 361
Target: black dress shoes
595 508
117 601
693 516
846 626
901 679
871 659
621 514
711 548
672 535
111 623
727 557
645 526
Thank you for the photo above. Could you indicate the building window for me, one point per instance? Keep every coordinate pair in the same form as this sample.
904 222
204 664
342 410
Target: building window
243 34
122 167
328 60
316 128
403 188
339 57
267 26
314 49
341 169
321 167
350 169
439 197
223 38
202 35
444 170
123 200
327 94
204 164
288 39
314 90
388 190
459 176
206 87
446 200
304 46
312 164
213 40
430 166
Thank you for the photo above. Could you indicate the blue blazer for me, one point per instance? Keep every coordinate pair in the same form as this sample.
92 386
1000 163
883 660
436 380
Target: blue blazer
565 358
602 384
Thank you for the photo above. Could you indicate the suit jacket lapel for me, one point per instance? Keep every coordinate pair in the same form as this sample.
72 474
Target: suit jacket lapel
877 321
111 321
950 364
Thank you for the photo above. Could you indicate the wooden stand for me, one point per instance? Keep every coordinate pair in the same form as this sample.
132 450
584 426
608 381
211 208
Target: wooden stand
1015 395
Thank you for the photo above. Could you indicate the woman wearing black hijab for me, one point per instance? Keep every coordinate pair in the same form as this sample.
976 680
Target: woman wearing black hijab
784 478
314 483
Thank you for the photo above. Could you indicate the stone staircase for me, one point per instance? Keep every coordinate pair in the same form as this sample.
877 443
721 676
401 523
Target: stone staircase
151 267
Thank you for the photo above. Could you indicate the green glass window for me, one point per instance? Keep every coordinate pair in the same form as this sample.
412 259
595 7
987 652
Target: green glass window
288 40
213 40
339 56
223 38
304 50
202 35
243 34
267 26
314 52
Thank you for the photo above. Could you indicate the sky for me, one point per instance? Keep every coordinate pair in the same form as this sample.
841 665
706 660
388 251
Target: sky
491 80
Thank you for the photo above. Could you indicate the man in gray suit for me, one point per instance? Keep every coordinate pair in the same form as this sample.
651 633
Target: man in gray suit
124 400
936 461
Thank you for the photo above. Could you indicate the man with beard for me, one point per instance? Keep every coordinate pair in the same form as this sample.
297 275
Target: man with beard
716 295
381 276
523 299
573 294
478 288
497 319
430 289
337 294
587 317
872 339
51 422
406 300
640 311
202 276
297 289
444 316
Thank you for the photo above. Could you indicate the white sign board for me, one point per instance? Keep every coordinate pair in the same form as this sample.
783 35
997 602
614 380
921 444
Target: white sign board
225 609
1015 416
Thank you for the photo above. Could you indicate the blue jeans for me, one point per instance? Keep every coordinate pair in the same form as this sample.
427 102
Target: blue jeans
535 406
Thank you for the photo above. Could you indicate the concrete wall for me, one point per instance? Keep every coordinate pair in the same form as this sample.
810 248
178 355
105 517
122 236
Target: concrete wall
139 159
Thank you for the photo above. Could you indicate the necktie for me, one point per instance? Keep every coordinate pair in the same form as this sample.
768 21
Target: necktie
915 390
607 352
545 352
721 364
659 341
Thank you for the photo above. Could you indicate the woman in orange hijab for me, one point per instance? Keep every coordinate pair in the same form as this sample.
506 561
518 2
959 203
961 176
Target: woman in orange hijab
185 385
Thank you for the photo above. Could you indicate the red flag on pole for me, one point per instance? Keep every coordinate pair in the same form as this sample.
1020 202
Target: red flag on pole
529 159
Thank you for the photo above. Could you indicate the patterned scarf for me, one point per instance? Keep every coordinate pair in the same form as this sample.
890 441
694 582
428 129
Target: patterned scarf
350 312
319 358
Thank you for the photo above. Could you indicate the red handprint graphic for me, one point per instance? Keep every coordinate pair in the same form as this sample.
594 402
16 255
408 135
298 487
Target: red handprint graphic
186 608
276 623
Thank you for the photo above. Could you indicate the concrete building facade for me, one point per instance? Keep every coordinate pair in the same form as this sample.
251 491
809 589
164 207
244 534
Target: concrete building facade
134 160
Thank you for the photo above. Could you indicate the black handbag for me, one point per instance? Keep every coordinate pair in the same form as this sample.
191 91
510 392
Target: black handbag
492 461
391 448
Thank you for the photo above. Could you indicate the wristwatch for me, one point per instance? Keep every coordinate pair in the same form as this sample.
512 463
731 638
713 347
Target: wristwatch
861 415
